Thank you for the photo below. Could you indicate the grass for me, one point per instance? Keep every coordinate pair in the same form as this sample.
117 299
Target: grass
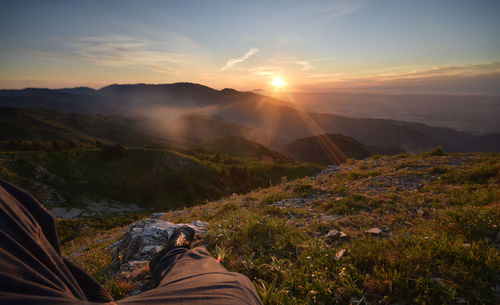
438 247
150 178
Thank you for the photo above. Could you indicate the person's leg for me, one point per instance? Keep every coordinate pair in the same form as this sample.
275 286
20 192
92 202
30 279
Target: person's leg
195 277
33 270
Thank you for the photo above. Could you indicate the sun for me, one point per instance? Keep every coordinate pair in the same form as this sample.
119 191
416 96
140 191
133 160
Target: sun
278 82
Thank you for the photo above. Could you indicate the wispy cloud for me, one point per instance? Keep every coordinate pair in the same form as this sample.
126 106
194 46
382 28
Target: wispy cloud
411 73
232 61
323 10
119 51
465 70
481 78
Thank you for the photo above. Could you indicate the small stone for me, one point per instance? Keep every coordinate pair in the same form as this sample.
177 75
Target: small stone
340 254
157 215
466 245
326 218
334 235
437 280
374 231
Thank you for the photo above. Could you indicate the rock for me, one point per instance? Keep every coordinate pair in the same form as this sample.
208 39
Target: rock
201 226
138 273
178 213
437 280
146 237
340 254
140 243
374 232
334 235
330 217
157 215
66 213
132 266
466 245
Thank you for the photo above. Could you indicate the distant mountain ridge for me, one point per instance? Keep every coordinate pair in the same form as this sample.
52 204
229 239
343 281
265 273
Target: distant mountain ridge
268 118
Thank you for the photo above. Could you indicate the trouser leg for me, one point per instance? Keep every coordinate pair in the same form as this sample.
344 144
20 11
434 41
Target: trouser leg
195 277
33 270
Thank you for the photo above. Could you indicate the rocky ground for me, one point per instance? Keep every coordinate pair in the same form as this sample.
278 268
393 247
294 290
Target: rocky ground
94 209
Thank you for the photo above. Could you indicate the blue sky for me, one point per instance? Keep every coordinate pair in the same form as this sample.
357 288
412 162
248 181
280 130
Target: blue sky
314 45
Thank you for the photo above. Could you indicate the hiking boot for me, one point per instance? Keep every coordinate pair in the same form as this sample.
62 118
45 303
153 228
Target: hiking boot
181 237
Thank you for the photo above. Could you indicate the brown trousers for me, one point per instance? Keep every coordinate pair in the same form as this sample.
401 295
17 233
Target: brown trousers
32 270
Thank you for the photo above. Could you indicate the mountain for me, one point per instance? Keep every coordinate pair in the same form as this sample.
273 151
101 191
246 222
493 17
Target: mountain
185 95
474 113
83 100
293 123
312 149
46 125
265 115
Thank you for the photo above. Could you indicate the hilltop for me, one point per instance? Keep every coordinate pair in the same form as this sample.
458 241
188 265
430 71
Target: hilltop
310 150
387 230
240 147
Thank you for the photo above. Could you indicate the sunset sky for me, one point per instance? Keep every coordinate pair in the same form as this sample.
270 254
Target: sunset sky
403 46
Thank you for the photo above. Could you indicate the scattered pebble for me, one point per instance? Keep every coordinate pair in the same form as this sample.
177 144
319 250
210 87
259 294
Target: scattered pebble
374 231
339 254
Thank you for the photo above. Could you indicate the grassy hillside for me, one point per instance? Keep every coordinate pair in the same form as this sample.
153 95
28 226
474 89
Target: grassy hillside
46 125
438 217
239 147
310 150
197 128
150 178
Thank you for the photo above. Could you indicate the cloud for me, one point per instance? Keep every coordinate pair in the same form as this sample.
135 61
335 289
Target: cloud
384 75
231 62
459 71
483 78
119 51
304 65
323 10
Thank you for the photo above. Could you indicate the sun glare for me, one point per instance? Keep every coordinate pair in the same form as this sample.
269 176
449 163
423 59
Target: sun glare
278 82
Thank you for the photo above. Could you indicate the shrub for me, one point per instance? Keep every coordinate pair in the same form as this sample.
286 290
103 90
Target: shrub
436 152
